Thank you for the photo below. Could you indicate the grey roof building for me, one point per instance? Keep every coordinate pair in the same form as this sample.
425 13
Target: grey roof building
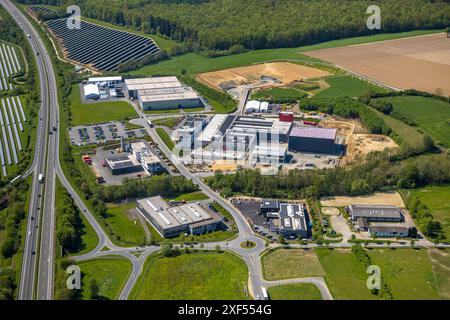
388 231
172 221
376 213
269 205
293 221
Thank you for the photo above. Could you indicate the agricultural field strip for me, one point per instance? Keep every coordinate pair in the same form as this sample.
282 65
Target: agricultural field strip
11 138
101 47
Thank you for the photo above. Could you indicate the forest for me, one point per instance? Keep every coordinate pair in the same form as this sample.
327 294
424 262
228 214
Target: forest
219 25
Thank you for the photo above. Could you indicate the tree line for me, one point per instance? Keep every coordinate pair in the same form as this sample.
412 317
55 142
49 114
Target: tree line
261 24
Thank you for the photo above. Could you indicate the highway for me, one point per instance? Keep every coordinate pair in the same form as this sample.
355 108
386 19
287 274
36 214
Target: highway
30 256
38 257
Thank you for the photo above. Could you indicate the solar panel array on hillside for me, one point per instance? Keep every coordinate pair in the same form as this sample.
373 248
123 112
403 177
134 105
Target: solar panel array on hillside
9 66
40 9
100 47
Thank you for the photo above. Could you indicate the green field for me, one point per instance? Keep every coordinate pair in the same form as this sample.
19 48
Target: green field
298 291
98 112
194 196
431 115
167 122
194 63
124 225
408 272
279 93
291 263
165 138
200 276
436 198
408 134
111 274
441 267
347 86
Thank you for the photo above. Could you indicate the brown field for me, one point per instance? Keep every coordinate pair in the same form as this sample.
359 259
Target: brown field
421 63
358 142
387 198
283 71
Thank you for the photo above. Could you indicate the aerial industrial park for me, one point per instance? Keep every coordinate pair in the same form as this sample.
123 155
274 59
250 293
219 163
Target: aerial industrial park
168 165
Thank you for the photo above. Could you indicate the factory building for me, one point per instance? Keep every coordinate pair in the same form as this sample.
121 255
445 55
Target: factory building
149 162
388 231
91 91
161 93
376 213
106 80
170 221
291 220
123 164
313 140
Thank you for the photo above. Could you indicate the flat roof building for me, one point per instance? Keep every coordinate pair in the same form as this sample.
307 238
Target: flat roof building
91 91
123 164
172 221
149 161
376 213
293 221
161 93
117 79
312 140
388 231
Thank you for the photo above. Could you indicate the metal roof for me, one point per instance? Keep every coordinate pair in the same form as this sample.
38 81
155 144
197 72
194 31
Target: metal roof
314 132
389 212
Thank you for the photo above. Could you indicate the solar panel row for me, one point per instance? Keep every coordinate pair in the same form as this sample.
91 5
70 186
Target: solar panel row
100 47
40 9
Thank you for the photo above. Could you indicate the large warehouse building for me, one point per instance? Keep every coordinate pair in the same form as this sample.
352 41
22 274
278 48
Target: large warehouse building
161 93
313 140
172 221
239 138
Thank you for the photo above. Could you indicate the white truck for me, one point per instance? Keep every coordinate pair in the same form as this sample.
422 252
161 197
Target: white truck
41 178
265 296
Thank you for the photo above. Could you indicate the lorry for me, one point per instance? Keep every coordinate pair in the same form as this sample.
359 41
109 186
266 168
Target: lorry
41 178
150 123
265 296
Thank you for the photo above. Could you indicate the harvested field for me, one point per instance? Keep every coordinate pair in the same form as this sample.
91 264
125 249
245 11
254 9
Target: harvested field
387 198
285 72
421 62
358 142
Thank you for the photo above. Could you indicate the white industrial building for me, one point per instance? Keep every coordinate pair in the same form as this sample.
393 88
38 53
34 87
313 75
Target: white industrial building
91 91
161 93
141 152
107 80
252 106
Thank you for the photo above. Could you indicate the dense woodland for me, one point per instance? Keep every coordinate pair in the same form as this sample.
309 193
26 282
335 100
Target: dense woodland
255 24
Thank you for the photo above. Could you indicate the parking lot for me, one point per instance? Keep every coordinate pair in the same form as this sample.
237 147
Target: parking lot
102 133
252 210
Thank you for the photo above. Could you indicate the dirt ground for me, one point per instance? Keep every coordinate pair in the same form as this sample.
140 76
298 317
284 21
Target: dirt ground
420 62
224 165
328 211
285 72
388 198
359 143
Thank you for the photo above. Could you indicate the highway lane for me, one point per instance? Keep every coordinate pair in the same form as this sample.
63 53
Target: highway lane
27 282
